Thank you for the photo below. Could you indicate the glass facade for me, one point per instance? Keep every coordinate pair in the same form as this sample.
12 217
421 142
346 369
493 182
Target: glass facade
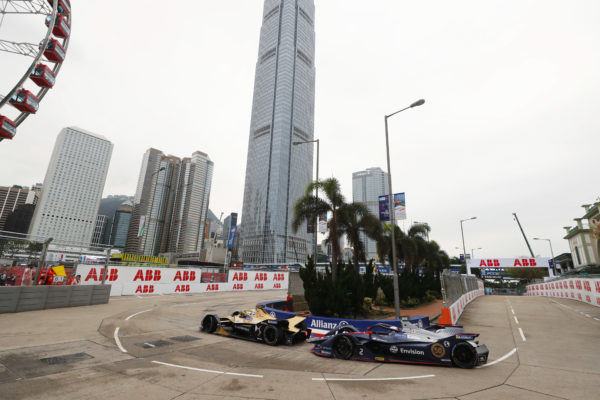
277 172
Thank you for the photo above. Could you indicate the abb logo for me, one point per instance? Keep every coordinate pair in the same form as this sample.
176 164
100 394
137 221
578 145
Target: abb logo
571 285
212 287
578 285
260 276
277 286
238 286
145 289
525 262
279 277
597 286
182 288
587 286
240 276
489 263
258 286
188 276
147 275
588 299
113 275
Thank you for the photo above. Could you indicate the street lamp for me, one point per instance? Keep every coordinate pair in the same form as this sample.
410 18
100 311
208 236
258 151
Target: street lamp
463 240
473 251
391 205
551 252
316 194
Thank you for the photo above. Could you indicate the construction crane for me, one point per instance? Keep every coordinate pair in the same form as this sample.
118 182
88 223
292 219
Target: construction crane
524 237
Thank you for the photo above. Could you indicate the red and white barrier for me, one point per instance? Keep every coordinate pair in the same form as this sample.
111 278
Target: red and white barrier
145 280
586 290
451 314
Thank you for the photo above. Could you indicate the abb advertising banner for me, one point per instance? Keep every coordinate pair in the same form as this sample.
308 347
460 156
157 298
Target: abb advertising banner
142 281
521 262
586 290
451 314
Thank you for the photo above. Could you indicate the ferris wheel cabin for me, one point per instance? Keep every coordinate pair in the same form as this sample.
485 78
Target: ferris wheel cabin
64 6
8 129
43 76
25 101
54 51
61 29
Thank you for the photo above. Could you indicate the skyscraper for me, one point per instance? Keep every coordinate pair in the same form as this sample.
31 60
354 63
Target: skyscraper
367 186
277 173
10 199
170 204
120 225
72 189
100 229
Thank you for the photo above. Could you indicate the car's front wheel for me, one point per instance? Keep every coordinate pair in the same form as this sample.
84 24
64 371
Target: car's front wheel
343 348
464 355
209 323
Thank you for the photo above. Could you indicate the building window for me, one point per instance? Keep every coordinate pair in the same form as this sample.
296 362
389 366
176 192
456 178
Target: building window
269 54
304 58
305 15
577 254
273 11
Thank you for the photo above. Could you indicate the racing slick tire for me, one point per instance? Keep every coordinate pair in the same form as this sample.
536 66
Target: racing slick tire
209 323
464 355
272 335
343 348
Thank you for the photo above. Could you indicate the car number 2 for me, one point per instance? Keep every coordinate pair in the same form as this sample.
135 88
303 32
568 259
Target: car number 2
361 351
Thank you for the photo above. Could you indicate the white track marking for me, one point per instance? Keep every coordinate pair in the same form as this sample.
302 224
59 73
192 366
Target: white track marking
588 315
597 319
210 371
513 311
137 313
373 379
516 320
119 345
149 344
504 357
522 335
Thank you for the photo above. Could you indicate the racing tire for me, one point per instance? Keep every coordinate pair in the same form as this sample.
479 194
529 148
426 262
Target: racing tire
271 335
233 314
209 323
343 348
464 355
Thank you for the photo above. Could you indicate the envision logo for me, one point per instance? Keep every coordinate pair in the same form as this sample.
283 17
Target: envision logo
412 351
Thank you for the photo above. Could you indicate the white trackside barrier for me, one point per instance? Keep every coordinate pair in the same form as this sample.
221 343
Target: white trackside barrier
586 290
154 280
451 314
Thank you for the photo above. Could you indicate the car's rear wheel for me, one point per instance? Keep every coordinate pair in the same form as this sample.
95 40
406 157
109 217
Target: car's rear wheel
343 348
464 355
271 335
209 323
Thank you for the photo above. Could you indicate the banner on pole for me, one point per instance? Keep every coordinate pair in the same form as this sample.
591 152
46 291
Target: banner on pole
231 239
323 223
399 207
384 208
142 226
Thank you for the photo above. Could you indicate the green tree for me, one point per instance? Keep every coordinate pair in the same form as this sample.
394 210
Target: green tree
527 274
358 219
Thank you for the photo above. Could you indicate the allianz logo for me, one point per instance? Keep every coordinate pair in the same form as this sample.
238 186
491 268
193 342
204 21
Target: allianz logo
318 323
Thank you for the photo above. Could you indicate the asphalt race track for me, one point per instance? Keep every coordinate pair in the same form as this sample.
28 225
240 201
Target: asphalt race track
151 348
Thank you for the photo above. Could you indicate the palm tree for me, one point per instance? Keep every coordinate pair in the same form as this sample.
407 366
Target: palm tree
309 207
358 219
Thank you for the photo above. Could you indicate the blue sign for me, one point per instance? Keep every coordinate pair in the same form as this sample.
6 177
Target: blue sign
231 239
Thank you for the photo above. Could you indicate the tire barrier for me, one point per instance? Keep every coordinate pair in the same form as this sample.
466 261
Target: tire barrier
458 291
319 326
126 281
586 290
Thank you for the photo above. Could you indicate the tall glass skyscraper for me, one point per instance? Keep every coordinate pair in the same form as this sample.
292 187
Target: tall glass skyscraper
277 172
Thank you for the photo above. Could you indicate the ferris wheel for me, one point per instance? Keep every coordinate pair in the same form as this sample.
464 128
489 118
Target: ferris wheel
48 55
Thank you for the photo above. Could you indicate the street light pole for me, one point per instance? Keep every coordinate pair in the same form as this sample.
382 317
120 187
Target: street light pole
463 240
551 252
391 206
473 252
316 196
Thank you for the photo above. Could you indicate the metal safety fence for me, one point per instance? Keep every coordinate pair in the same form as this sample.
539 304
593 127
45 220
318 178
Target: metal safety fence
455 285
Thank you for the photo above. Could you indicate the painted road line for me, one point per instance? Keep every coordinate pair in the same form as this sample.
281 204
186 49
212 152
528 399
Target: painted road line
372 379
210 371
522 334
513 311
118 342
149 344
516 320
137 313
504 357
588 315
597 319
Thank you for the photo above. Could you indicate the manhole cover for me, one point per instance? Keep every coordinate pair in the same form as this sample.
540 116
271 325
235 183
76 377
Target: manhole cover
153 344
69 358
185 338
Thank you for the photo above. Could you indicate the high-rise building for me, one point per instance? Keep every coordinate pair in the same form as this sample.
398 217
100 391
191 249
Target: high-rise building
277 172
72 189
170 204
120 225
34 194
100 229
10 199
367 186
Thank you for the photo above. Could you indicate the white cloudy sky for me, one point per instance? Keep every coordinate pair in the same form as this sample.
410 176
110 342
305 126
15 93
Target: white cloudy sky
510 123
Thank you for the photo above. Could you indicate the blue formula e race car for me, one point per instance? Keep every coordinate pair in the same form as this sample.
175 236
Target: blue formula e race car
436 344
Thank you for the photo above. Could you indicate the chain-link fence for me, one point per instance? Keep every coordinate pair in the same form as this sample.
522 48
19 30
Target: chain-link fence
454 285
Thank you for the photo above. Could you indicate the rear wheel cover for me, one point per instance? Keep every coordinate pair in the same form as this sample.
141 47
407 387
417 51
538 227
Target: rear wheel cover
343 348
464 355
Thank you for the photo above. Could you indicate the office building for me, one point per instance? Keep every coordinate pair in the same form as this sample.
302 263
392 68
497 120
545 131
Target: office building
99 230
34 194
367 186
10 199
120 225
72 188
171 204
277 173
